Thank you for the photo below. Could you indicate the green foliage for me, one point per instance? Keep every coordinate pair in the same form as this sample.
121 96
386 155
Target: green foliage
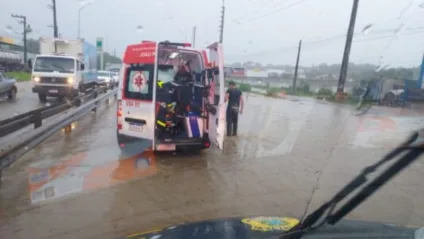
325 92
245 87
303 88
19 76
272 91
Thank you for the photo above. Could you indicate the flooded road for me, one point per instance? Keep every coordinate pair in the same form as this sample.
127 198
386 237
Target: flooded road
81 186
25 101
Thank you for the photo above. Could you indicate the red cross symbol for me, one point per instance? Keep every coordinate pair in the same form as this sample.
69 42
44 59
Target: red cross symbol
139 80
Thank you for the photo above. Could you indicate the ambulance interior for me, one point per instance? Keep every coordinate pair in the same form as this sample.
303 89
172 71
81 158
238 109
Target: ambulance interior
180 111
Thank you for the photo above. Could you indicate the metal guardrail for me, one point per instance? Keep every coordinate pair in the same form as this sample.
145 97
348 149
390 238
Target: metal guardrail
32 139
36 117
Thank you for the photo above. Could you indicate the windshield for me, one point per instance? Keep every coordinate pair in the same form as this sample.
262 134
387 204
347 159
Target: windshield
50 64
248 118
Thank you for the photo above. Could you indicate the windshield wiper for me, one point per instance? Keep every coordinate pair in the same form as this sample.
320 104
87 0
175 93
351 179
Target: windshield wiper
325 211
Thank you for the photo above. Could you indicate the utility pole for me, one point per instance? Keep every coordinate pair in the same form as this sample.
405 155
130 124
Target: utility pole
297 65
27 29
55 30
55 33
221 27
194 37
348 46
421 76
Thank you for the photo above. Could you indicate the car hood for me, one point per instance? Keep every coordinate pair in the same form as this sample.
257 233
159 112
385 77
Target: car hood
10 80
272 227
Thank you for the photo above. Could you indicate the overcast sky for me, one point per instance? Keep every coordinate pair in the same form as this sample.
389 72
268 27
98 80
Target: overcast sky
266 31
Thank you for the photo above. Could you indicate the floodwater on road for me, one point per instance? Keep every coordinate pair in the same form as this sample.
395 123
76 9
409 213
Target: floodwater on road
80 185
25 101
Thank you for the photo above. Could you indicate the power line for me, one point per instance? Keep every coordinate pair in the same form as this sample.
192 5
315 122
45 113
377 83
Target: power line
263 5
273 12
324 41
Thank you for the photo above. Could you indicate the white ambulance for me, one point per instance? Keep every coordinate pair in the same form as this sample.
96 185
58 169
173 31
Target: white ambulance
148 68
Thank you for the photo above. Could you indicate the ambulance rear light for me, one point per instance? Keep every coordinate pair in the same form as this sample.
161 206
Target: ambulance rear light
119 115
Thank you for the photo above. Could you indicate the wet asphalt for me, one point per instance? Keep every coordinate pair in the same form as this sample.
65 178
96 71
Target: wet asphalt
80 185
25 101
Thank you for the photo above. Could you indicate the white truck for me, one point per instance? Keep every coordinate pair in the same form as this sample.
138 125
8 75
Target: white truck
63 70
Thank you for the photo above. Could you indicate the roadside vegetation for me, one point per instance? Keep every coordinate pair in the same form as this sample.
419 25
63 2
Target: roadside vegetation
303 89
19 76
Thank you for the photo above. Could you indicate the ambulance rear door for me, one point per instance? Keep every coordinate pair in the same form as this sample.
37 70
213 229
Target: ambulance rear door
138 90
217 122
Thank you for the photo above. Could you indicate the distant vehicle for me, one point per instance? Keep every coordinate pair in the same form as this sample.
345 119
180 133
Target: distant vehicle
115 75
8 87
147 85
65 72
10 60
106 78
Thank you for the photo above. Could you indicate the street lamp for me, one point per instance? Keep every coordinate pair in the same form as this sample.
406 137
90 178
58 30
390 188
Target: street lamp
79 17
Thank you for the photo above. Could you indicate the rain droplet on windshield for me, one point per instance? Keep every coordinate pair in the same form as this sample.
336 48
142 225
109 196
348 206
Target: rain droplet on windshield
139 29
399 29
9 29
367 29
379 68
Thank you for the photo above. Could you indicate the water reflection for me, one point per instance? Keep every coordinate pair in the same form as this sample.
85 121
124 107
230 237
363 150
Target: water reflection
78 174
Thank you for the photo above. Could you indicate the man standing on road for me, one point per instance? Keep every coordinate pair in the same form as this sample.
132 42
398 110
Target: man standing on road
235 105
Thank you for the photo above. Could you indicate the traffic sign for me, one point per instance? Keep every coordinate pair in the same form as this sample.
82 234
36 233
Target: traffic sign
99 44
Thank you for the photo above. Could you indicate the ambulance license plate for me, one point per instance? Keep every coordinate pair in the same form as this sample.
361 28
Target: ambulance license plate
166 147
135 127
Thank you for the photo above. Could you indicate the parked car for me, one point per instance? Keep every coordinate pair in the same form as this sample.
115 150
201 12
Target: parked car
8 87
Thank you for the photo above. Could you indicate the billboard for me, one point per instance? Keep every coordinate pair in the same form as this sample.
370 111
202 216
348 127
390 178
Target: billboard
235 71
256 72
7 40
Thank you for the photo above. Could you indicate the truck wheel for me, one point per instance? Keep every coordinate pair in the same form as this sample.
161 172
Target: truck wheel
12 93
42 97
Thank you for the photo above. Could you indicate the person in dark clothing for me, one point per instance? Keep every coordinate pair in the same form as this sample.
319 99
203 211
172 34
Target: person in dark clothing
234 107
183 91
183 75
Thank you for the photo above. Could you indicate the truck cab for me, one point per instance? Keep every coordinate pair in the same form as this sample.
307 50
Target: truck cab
151 98
64 68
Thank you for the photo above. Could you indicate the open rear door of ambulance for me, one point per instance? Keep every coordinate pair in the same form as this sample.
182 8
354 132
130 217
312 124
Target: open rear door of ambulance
136 109
217 122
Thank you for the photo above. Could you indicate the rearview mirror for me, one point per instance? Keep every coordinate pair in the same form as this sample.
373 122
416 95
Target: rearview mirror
82 67
30 63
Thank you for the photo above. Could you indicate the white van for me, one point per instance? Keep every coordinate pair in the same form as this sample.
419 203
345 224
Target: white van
145 111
